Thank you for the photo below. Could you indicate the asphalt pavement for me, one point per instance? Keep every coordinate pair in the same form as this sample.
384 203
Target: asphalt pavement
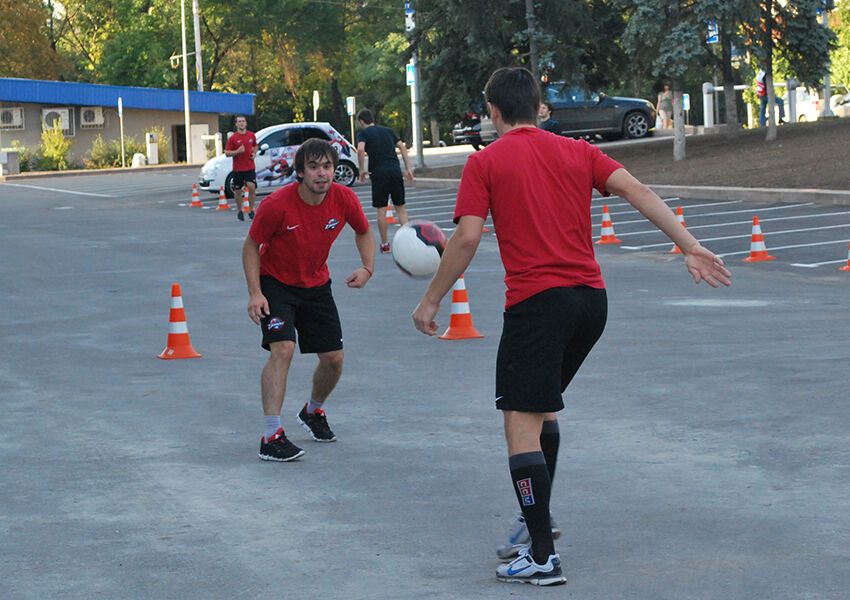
704 449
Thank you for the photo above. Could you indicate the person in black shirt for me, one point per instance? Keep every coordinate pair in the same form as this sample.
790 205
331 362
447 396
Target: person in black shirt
380 144
547 123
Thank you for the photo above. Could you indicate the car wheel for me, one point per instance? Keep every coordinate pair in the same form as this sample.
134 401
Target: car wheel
345 174
228 186
802 119
635 125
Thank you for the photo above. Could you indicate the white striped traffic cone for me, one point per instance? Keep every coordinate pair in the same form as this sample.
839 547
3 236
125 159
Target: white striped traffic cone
178 344
460 323
847 266
607 235
246 206
680 216
196 197
390 216
222 200
758 251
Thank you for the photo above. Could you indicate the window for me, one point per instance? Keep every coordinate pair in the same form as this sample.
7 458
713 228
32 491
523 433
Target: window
278 139
314 132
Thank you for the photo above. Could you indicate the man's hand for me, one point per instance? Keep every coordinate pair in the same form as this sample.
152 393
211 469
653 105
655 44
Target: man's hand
358 278
362 177
258 307
423 316
240 149
408 174
704 265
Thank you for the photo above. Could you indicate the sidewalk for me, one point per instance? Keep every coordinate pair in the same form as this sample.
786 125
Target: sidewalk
67 173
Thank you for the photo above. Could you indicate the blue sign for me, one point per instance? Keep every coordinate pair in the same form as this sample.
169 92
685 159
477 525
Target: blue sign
407 9
686 102
411 74
713 35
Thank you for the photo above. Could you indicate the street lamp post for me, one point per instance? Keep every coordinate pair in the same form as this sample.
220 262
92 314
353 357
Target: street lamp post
199 64
186 119
415 103
827 111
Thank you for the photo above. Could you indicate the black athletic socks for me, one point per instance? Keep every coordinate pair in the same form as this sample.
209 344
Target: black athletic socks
533 487
550 440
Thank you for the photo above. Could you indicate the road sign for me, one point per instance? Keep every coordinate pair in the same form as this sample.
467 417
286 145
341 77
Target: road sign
686 102
349 105
411 74
315 105
713 35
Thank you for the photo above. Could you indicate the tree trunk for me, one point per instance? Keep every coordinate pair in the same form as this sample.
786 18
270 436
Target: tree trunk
338 105
678 122
532 37
767 17
732 124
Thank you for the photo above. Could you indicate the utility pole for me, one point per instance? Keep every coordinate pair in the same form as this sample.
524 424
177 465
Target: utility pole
409 27
185 84
532 37
199 63
827 110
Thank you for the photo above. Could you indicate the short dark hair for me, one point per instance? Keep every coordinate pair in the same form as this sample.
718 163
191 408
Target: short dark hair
236 117
514 91
365 115
314 149
549 106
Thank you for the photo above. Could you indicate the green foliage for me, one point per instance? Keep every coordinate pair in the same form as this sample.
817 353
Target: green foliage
163 144
840 57
28 159
24 43
54 149
104 155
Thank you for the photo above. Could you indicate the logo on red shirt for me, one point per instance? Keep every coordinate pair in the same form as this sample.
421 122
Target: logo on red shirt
332 223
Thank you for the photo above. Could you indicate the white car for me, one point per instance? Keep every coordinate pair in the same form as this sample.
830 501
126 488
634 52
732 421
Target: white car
275 158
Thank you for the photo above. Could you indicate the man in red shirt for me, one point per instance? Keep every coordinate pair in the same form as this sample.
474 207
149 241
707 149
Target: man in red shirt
242 146
289 288
537 186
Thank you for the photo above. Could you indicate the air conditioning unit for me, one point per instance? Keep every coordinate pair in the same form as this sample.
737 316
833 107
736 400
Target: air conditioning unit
12 118
49 116
91 117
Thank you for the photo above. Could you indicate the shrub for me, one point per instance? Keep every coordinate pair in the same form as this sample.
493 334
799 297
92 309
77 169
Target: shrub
104 155
54 149
29 160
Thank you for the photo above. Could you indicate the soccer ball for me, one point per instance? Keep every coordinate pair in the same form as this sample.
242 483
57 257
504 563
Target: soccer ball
417 248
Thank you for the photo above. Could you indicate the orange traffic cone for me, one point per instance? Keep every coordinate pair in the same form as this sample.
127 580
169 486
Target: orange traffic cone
196 197
607 234
758 251
390 216
460 323
178 344
847 266
222 200
246 206
680 215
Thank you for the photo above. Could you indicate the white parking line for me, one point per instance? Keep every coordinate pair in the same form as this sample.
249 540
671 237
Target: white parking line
733 237
47 189
724 212
628 212
774 248
820 264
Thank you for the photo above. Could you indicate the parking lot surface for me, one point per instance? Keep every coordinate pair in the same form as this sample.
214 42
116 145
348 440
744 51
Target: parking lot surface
704 449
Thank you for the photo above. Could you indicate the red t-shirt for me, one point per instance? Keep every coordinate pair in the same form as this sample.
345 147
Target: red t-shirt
245 160
296 237
537 186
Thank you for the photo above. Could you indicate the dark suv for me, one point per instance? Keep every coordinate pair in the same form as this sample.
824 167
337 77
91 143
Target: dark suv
583 113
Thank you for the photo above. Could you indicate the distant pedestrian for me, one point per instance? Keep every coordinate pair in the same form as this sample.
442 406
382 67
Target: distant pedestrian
380 143
761 93
547 121
289 287
242 146
664 107
556 303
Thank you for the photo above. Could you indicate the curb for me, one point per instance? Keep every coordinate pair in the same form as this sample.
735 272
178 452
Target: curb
788 195
43 174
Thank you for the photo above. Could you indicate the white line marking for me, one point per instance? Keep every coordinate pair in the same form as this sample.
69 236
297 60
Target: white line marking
820 264
772 249
47 189
724 212
626 212
733 237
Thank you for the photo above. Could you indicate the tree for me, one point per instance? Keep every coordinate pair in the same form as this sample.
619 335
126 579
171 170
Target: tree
840 57
24 43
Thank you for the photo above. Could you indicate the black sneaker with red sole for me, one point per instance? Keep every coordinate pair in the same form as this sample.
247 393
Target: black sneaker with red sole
316 424
279 448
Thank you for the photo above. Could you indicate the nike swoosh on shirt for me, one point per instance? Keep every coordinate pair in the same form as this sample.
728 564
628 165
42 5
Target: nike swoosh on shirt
291 227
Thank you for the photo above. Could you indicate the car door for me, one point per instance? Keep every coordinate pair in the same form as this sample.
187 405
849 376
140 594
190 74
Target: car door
601 112
570 107
267 162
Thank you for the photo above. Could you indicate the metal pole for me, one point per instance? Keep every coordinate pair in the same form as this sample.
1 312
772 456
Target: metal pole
827 110
185 84
199 63
417 120
121 123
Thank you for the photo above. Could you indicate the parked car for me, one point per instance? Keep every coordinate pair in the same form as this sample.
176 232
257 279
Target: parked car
582 113
275 159
474 129
810 104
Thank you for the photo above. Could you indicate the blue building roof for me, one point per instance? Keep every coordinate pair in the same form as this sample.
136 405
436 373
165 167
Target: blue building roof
90 94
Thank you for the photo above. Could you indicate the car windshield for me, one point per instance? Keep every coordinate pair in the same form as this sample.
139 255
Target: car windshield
575 95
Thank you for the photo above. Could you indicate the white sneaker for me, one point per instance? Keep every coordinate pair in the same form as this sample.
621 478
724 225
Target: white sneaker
524 570
518 538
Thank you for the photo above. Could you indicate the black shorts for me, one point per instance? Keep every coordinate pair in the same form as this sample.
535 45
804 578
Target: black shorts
309 311
385 185
240 178
545 340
